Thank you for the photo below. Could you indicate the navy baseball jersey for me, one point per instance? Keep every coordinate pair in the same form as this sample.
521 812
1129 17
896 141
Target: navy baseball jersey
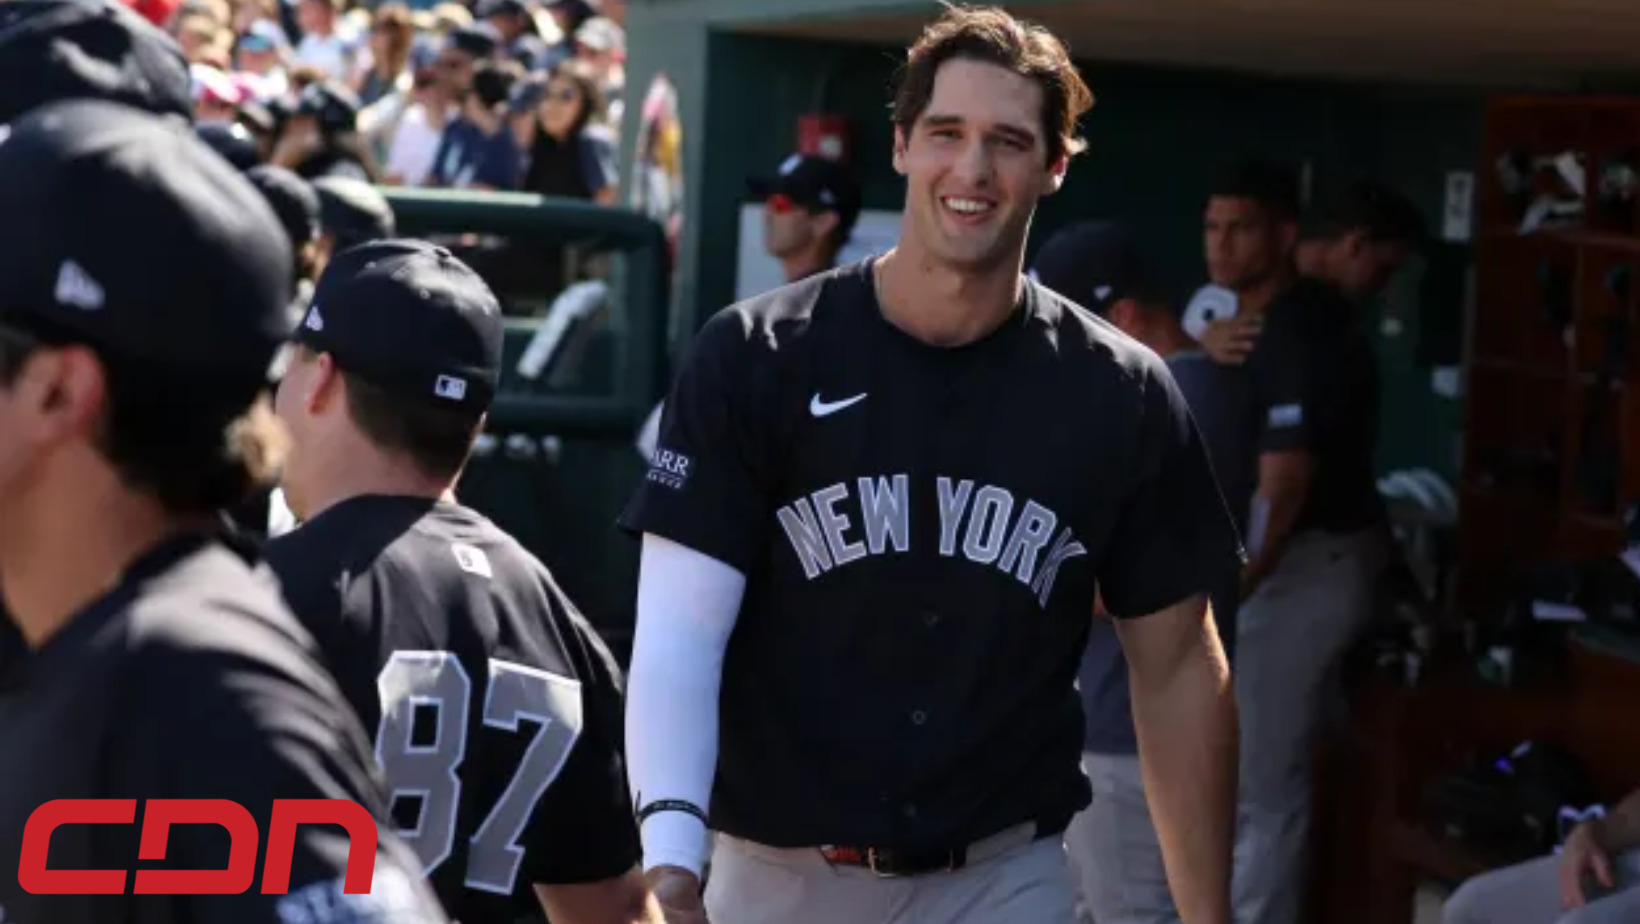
1221 403
191 680
496 709
923 531
12 647
1314 377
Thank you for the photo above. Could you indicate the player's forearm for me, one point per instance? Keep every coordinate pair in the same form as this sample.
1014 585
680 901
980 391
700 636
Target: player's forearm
1274 512
1188 746
687 605
1620 829
622 900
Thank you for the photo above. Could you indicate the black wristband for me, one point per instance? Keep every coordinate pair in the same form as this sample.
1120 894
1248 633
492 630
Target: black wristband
672 805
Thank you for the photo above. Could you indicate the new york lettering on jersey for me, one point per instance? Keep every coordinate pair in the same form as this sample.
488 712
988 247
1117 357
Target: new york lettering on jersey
982 523
935 517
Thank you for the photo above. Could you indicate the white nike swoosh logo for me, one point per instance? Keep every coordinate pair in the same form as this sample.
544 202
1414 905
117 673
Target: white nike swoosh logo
825 408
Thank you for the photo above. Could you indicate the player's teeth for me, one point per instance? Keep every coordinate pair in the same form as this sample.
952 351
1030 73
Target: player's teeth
966 205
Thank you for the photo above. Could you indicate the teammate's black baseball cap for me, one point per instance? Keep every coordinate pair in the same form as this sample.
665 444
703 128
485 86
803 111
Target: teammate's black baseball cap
1094 264
487 8
352 211
815 183
234 142
333 106
53 50
472 40
411 318
292 198
123 231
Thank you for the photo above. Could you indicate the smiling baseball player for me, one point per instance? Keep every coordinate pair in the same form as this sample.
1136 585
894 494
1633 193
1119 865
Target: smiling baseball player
882 504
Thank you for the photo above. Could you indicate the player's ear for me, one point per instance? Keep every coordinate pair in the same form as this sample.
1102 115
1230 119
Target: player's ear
325 386
1122 314
1355 242
1287 235
899 150
825 223
68 389
1056 174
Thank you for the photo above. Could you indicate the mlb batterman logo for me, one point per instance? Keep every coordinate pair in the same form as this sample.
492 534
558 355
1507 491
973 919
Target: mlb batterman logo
450 388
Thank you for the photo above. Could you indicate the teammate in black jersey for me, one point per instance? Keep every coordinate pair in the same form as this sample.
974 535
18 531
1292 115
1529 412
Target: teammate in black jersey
884 502
163 665
496 710
52 50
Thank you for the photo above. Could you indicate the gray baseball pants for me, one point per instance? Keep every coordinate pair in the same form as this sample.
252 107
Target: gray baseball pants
1530 894
1011 878
1114 851
1291 635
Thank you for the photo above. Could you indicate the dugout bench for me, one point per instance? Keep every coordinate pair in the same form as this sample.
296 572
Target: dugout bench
585 290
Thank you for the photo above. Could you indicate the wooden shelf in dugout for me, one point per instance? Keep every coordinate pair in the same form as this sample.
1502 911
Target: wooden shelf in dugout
1515 435
1567 162
1608 278
1525 301
1552 430
1499 538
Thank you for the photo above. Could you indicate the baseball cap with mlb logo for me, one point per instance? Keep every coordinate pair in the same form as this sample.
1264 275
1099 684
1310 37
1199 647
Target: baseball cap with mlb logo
123 231
1095 264
410 318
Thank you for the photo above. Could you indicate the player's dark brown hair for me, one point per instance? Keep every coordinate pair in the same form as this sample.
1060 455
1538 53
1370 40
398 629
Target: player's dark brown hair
993 36
1381 214
165 437
1274 185
436 440
192 464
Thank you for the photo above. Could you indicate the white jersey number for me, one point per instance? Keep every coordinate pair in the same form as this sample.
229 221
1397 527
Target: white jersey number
435 680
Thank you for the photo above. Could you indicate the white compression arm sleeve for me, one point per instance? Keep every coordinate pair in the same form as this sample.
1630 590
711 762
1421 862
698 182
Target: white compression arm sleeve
687 605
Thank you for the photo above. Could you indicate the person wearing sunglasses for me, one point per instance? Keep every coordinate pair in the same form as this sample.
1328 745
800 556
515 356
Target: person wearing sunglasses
810 206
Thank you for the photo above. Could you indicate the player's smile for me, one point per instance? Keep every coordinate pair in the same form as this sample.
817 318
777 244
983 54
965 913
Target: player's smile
968 210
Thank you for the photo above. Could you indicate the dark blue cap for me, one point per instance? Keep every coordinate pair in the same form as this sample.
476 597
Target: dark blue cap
817 183
292 198
1094 264
411 318
141 241
352 211
233 141
53 50
333 106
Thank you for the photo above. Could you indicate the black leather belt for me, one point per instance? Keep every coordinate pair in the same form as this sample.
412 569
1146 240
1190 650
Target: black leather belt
893 863
888 862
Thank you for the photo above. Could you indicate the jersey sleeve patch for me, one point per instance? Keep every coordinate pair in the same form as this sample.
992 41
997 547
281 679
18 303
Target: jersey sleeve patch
1285 415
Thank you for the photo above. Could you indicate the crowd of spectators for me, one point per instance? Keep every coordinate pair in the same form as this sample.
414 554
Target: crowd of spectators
500 94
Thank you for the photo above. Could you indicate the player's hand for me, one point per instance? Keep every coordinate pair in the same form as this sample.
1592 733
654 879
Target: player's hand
1230 340
678 892
1582 858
